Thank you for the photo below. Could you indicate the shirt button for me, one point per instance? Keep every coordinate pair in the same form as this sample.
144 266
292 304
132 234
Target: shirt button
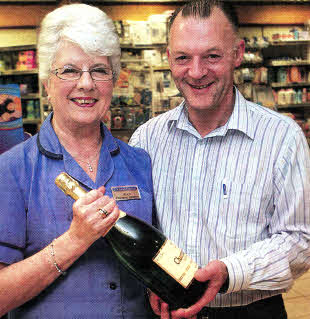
113 285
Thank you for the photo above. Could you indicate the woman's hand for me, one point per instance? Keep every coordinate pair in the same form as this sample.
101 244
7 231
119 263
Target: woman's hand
25 279
88 223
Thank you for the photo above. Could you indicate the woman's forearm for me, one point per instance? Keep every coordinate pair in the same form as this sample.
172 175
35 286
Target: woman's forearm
24 280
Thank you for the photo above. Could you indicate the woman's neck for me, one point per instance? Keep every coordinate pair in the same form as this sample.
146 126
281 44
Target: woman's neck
84 140
83 144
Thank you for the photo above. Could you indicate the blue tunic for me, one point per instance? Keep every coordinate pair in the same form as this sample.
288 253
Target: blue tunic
34 211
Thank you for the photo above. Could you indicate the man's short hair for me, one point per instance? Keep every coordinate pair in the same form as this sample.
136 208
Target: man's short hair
203 9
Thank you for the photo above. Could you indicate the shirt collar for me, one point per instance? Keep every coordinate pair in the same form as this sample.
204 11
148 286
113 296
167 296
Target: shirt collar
179 119
50 146
240 119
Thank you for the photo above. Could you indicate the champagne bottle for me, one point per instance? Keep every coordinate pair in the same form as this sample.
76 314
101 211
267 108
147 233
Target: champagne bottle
148 254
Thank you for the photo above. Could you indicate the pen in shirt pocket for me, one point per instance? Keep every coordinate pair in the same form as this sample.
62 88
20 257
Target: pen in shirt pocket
224 186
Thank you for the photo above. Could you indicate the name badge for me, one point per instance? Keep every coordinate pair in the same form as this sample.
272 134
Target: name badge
125 192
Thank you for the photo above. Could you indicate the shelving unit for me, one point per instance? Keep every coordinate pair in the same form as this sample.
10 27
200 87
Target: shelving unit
285 65
138 65
160 84
289 85
31 94
299 82
294 106
132 98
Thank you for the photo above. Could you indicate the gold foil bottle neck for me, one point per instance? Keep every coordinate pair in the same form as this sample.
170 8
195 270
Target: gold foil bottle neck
72 188
69 186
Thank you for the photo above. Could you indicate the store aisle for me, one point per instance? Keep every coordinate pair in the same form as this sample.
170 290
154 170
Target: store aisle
297 300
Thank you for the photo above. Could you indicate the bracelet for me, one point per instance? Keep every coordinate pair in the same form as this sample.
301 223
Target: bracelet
54 260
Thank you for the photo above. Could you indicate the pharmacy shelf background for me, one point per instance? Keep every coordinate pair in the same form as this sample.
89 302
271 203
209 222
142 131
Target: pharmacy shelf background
275 73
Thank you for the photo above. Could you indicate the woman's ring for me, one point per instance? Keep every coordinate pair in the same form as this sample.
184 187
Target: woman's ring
103 212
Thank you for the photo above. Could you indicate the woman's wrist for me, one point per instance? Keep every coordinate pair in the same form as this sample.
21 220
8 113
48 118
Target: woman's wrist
80 245
53 257
64 251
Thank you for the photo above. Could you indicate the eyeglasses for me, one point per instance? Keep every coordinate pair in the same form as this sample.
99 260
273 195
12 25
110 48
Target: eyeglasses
73 74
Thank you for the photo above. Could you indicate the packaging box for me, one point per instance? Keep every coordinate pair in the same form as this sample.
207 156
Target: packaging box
158 25
28 56
153 57
26 60
140 32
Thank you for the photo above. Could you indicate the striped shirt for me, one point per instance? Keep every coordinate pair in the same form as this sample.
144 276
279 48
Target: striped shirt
240 194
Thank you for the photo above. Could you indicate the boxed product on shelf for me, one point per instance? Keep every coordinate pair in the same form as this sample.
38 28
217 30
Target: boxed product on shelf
304 35
164 83
290 34
123 79
146 97
292 96
263 95
10 102
2 64
252 57
27 56
11 125
140 79
118 119
247 74
128 117
123 31
260 75
294 74
31 109
26 60
128 55
6 61
140 32
152 56
284 75
158 25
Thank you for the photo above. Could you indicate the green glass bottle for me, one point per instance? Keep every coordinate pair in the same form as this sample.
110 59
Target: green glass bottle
149 255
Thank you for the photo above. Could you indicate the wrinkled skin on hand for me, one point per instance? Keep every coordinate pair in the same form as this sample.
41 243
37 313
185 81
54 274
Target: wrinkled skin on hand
215 272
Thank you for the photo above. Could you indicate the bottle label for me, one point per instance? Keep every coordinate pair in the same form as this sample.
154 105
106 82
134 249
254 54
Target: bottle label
175 263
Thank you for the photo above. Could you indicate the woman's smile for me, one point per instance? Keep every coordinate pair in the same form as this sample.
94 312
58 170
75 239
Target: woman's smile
84 101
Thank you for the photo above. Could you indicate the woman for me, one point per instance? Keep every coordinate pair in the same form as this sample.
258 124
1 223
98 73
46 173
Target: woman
55 262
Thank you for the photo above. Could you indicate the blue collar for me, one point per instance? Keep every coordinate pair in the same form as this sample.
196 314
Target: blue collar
49 145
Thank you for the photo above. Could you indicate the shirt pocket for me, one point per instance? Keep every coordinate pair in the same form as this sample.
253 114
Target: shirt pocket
242 217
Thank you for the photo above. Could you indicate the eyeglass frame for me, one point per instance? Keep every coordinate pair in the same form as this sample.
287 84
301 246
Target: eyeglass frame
55 72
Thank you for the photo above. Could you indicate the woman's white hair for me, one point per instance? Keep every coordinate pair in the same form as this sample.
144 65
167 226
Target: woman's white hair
84 25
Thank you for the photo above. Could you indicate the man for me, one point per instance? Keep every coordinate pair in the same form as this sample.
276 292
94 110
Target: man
231 178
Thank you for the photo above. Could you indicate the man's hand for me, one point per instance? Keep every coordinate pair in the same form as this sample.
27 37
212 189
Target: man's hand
215 273
160 308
